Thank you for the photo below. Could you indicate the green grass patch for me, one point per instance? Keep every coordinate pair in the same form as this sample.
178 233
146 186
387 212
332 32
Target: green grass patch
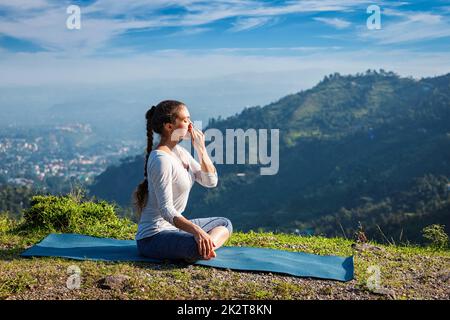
69 214
408 271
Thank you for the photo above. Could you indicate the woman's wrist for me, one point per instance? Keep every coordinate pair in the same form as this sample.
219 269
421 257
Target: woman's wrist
196 229
201 150
186 225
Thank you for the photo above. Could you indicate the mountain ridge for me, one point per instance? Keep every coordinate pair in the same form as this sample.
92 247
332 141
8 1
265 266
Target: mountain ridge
364 135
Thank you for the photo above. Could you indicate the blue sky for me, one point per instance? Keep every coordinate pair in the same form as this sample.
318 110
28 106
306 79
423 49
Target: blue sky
142 26
254 51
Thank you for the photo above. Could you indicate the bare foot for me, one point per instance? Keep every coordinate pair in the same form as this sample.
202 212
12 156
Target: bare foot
212 254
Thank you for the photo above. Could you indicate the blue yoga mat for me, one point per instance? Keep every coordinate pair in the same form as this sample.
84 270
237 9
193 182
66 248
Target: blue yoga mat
81 247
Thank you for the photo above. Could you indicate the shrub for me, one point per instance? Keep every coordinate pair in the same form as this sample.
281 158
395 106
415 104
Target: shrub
435 236
69 214
6 222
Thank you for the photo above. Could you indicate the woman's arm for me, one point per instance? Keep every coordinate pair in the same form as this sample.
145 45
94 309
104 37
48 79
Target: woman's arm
186 225
205 161
206 179
205 173
198 141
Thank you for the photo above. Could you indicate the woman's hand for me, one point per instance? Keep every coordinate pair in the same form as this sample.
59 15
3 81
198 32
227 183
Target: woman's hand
197 138
205 244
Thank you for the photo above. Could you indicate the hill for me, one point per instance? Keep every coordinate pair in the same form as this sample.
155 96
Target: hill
369 149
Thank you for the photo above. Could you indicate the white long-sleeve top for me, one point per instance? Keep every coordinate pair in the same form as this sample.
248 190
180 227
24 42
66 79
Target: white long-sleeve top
170 179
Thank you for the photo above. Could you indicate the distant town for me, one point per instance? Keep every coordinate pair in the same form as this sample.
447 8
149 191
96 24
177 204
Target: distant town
31 156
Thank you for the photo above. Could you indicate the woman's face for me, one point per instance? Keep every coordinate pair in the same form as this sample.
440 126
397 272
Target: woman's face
182 125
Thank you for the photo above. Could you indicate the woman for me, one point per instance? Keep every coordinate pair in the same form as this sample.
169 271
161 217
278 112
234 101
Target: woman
169 173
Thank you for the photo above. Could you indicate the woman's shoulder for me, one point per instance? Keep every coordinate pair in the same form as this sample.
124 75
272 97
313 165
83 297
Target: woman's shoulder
159 157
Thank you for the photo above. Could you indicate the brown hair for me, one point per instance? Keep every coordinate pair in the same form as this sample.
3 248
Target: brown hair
164 112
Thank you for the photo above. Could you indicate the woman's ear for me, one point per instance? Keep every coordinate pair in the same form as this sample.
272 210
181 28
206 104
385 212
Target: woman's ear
168 126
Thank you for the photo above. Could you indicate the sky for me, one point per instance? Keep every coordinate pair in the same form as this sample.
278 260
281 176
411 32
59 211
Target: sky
216 56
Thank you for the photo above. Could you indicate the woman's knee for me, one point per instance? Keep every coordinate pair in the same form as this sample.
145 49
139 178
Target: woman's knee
228 225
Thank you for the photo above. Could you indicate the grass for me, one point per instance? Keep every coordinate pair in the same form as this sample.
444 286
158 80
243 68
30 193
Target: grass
405 272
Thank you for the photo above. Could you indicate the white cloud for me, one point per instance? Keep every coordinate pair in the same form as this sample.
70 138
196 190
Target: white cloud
217 10
250 23
47 68
334 22
227 78
411 27
24 4
190 31
43 23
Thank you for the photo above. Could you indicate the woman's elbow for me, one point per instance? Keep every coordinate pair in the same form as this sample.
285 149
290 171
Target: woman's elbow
211 183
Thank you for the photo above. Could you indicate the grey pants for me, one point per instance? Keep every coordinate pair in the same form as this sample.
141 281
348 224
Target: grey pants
179 244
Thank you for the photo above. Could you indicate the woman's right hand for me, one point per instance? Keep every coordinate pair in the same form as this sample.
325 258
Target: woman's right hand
197 137
205 243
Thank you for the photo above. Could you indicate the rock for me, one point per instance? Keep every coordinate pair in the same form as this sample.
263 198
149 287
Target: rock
115 282
444 277
385 292
422 279
366 246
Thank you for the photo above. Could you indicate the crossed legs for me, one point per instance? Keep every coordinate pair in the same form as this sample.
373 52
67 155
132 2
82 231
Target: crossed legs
219 235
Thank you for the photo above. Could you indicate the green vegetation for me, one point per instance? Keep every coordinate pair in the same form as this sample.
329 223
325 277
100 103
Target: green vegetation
68 214
436 236
397 218
364 160
406 272
13 199
370 149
